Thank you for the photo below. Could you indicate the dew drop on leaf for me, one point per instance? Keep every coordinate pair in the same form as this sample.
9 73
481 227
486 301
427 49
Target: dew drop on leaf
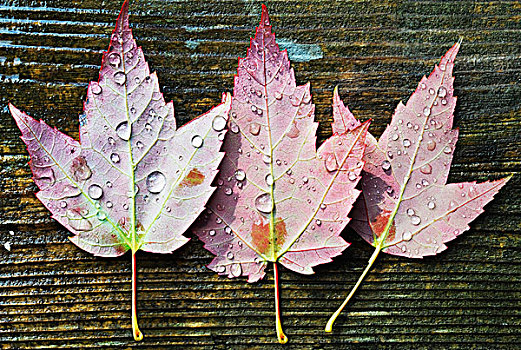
406 143
293 131
230 256
218 123
410 212
331 163
269 179
95 88
240 175
123 131
427 111
156 181
263 203
109 204
197 141
114 157
114 59
447 150
101 216
95 191
228 191
234 127
220 269
63 204
255 129
266 159
236 270
431 205
426 169
431 91
394 137
431 145
442 91
386 165
351 176
415 220
407 236
120 78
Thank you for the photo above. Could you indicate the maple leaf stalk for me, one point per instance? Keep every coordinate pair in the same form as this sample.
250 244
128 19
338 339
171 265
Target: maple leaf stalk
281 337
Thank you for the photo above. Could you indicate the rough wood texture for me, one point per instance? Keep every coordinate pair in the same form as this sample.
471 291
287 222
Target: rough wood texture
54 295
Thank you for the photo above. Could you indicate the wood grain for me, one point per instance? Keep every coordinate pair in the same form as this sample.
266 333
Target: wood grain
52 295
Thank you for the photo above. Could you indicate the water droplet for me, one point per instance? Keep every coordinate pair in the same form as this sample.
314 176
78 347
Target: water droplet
410 212
293 132
444 102
431 145
228 191
404 248
331 163
431 91
109 204
426 169
95 191
114 157
442 91
352 176
442 66
407 236
386 165
427 111
120 78
431 205
447 150
197 141
318 222
406 143
234 128
255 128
230 256
240 175
211 232
101 216
63 204
219 123
394 137
220 269
266 159
130 55
278 95
269 179
323 206
95 88
423 86
123 131
236 270
228 230
263 203
254 108
305 179
415 220
114 59
389 190
425 183
156 181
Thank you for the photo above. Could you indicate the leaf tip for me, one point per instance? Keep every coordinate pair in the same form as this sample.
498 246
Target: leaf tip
122 21
265 19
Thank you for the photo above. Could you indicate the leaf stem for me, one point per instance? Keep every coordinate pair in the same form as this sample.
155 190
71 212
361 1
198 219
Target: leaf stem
135 328
280 333
329 325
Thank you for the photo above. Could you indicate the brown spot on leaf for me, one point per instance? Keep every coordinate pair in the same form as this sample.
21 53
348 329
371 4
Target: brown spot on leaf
380 222
260 235
193 178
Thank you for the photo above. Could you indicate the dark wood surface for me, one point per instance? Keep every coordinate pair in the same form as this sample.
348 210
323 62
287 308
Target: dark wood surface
52 294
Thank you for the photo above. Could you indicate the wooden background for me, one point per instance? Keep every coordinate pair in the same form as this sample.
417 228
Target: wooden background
52 294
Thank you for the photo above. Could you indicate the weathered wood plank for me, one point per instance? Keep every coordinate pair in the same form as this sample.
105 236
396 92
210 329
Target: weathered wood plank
54 295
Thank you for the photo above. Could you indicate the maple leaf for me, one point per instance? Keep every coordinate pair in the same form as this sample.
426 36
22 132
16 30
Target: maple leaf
278 200
406 207
133 181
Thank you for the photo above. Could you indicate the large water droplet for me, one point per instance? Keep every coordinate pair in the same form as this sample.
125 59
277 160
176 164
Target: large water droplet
109 204
386 165
415 220
406 143
331 163
211 232
407 236
266 159
240 175
123 131
101 216
263 203
197 141
236 270
442 92
156 181
95 191
426 169
120 78
269 179
431 145
427 111
431 205
255 128
219 123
